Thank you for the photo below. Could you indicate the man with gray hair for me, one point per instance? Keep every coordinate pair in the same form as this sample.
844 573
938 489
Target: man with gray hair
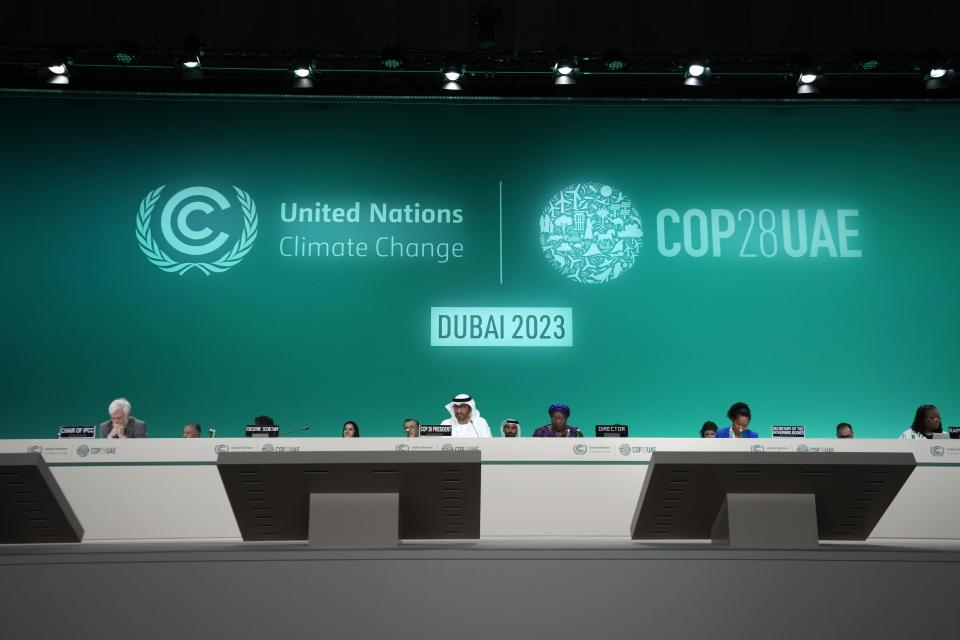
121 424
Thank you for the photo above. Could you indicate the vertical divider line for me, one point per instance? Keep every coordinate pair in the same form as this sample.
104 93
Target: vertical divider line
500 185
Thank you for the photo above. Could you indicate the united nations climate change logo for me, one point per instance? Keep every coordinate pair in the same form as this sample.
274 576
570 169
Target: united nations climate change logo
590 232
185 234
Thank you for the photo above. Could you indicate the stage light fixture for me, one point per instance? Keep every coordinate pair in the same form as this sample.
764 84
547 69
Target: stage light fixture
614 60
939 72
191 59
57 69
697 73
938 77
564 67
303 67
808 81
452 73
126 53
392 58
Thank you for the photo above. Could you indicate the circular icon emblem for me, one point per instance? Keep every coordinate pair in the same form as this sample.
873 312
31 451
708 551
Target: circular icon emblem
266 447
83 450
936 450
221 448
757 448
590 232
35 449
580 449
802 448
185 233
447 447
402 447
625 449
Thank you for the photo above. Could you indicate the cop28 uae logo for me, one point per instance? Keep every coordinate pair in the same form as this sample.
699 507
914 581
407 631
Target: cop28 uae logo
193 243
590 232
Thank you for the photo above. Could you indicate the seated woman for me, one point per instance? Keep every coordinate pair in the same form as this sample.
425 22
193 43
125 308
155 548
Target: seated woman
558 427
739 415
926 422
709 429
350 429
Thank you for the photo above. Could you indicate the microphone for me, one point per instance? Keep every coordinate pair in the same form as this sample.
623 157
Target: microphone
212 432
294 431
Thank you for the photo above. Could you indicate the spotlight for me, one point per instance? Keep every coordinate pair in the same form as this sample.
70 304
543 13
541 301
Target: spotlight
939 72
452 86
939 77
564 66
453 68
808 81
564 80
392 58
57 69
303 67
452 74
697 72
126 53
614 60
190 59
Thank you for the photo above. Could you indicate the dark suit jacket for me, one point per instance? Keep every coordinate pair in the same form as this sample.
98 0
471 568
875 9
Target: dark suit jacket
134 429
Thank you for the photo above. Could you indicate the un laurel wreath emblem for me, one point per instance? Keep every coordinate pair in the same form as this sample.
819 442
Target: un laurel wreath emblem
158 257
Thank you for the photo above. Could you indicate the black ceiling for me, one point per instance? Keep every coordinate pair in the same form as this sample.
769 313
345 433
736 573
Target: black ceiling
642 26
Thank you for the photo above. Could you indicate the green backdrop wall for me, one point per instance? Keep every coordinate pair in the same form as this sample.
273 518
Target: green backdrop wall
665 242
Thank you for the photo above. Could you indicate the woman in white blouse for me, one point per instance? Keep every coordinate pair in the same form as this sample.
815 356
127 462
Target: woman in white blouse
926 423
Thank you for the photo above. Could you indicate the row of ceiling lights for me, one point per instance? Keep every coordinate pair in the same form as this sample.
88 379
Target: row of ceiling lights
697 72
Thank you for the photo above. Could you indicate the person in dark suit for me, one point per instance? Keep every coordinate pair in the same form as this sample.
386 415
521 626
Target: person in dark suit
121 424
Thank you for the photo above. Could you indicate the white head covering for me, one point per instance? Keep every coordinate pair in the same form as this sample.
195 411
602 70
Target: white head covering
511 421
462 398
476 426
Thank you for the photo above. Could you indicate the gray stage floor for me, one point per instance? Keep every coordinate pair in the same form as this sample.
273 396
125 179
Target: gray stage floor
560 588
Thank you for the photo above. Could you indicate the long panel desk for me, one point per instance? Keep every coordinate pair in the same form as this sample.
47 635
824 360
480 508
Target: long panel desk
169 489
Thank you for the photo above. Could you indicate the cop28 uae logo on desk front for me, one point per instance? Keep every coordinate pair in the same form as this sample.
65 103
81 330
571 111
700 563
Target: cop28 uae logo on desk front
590 232
190 240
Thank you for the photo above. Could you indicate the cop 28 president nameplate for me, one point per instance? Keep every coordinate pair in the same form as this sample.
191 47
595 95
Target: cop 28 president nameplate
501 327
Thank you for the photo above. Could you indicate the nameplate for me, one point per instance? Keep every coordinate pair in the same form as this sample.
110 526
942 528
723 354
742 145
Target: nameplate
787 431
954 432
262 431
78 432
612 431
436 429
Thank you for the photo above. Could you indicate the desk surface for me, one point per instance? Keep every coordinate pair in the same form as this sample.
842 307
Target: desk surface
533 489
493 450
